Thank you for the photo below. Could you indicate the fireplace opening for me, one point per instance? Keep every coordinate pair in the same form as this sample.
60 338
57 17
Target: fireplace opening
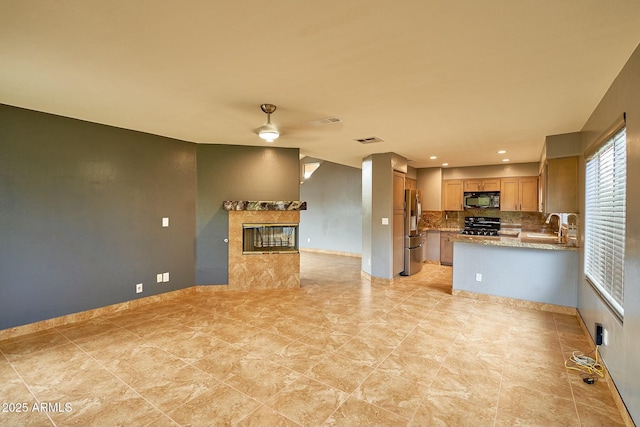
269 238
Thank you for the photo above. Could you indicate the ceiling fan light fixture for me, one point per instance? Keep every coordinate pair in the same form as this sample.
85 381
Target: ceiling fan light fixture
268 132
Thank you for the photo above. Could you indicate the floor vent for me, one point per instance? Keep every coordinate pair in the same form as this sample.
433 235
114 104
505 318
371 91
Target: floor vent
369 140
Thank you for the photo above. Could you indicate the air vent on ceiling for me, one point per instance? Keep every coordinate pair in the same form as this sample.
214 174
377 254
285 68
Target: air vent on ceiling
369 140
325 121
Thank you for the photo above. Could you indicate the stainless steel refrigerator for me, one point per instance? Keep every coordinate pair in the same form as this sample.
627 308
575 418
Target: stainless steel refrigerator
412 235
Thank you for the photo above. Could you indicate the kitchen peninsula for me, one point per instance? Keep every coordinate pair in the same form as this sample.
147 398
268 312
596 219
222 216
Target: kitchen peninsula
540 275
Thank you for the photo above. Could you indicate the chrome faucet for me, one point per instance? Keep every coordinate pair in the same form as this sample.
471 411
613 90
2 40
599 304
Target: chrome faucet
559 233
572 229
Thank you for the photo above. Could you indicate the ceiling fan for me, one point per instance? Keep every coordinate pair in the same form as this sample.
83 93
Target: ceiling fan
268 132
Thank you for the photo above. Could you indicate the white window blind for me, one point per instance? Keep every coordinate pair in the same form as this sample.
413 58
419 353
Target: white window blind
605 217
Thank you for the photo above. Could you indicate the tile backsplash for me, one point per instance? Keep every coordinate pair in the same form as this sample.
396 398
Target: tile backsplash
528 221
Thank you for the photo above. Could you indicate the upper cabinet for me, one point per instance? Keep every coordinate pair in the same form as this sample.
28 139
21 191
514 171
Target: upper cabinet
398 191
559 173
559 187
528 193
487 184
452 193
516 193
410 184
519 194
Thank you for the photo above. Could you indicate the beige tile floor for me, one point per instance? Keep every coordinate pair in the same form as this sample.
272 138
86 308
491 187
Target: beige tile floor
337 352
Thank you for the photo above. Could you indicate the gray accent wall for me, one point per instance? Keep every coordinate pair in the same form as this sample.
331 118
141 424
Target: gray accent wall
541 275
81 208
333 219
234 172
622 355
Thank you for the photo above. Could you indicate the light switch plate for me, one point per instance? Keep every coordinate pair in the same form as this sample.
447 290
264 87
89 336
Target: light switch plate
385 221
159 277
165 277
165 221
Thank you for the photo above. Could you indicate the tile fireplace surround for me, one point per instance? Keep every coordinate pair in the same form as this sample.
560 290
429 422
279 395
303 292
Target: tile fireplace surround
261 271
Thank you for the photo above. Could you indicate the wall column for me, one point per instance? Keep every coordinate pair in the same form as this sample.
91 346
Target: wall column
377 214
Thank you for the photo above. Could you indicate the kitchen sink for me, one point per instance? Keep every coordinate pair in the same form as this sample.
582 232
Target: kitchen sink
540 235
538 238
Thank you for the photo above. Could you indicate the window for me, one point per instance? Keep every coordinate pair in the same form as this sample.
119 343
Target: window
605 217
309 169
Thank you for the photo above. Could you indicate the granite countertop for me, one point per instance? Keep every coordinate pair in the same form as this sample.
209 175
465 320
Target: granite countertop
455 229
511 242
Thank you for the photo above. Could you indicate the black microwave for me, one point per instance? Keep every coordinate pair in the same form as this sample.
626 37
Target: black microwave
482 200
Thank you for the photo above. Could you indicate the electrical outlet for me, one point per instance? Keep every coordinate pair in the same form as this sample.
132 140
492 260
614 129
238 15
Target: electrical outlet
159 278
478 277
165 277
139 288
599 334
308 239
165 221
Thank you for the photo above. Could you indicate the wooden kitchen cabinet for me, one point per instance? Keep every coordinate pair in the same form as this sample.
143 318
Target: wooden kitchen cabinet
486 184
446 247
519 194
560 187
528 194
509 194
410 184
452 193
398 222
398 191
433 245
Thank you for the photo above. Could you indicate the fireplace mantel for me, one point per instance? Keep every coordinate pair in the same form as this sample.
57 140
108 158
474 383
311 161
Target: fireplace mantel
264 205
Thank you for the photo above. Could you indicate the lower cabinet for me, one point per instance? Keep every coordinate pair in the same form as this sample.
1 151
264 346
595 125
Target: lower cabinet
446 247
433 246
423 241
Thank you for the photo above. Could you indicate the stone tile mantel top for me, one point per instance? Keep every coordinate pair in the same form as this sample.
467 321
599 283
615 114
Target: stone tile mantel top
264 205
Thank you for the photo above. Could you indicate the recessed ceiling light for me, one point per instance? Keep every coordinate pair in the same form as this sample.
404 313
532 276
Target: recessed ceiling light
433 157
502 151
505 160
445 164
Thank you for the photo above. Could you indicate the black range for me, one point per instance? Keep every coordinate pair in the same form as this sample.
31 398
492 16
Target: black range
481 226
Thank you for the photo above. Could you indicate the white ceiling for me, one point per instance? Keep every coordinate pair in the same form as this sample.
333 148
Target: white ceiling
459 80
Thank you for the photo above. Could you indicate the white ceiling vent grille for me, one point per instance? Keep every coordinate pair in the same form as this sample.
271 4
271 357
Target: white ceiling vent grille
369 140
325 121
